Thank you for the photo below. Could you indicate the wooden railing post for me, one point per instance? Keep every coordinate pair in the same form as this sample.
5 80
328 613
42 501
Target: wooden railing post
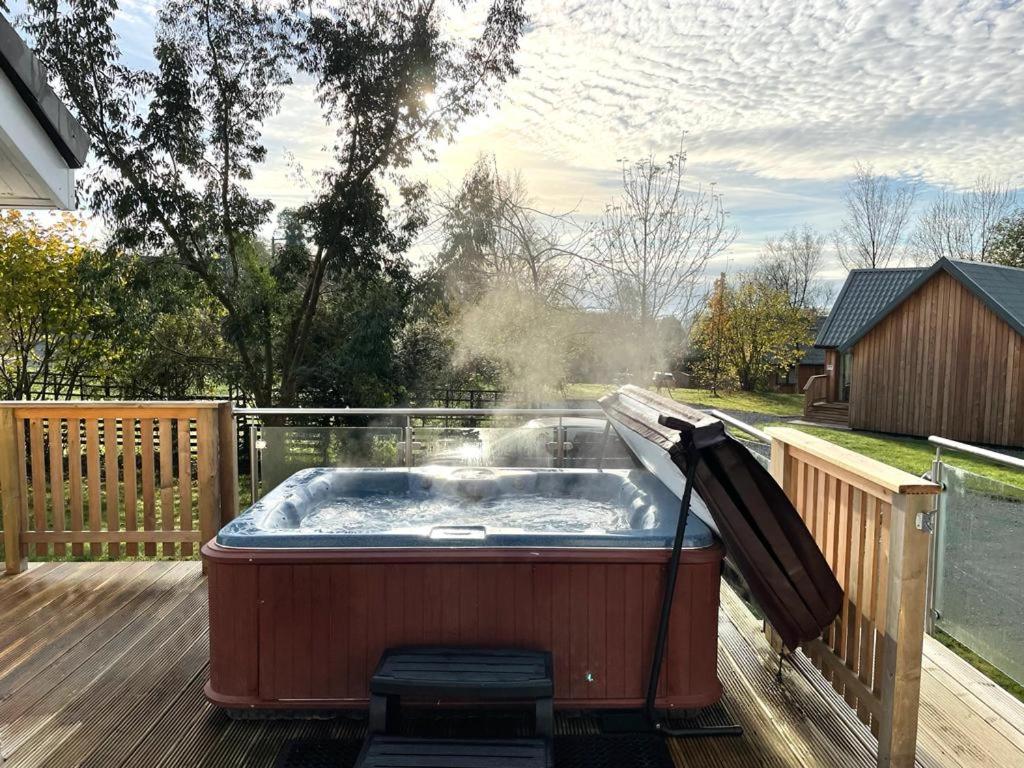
777 468
11 451
228 461
208 459
777 462
904 631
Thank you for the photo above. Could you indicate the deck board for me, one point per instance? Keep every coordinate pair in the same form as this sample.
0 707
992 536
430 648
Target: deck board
104 665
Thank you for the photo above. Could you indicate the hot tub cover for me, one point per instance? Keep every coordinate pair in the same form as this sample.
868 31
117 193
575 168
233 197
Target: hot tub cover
762 531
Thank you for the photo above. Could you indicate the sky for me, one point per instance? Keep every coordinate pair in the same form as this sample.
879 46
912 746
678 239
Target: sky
773 100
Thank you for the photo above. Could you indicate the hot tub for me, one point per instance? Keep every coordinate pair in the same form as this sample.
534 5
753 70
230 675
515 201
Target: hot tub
311 584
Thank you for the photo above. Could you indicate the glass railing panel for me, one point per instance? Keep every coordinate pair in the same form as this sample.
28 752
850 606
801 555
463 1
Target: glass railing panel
283 451
760 451
979 588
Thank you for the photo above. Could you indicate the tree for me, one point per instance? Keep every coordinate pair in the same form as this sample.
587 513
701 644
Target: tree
46 306
72 315
746 333
877 212
527 339
652 246
962 226
510 282
495 238
178 144
767 334
164 331
791 263
1008 241
712 340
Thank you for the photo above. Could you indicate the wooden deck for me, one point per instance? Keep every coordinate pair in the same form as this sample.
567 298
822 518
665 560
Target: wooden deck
102 664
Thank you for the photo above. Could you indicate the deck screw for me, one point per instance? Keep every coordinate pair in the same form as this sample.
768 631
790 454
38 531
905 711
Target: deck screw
589 677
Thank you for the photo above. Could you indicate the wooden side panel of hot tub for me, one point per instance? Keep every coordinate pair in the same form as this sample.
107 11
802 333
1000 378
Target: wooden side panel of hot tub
288 630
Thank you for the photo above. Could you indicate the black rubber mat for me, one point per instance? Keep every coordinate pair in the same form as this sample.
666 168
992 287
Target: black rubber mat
590 751
708 722
612 751
319 753
405 752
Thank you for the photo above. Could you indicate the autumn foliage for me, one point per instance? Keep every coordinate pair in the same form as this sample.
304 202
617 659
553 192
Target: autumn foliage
746 333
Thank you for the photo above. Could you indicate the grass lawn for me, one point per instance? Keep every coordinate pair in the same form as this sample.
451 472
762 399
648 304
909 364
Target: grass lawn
771 403
911 454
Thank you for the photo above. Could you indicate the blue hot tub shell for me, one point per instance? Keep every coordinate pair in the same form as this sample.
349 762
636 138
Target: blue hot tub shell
648 510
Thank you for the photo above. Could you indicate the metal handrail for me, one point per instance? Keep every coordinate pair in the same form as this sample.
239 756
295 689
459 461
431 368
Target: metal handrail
973 450
407 429
596 412
741 425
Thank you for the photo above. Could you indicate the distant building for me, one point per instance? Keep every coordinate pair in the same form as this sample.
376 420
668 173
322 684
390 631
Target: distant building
41 144
811 364
934 350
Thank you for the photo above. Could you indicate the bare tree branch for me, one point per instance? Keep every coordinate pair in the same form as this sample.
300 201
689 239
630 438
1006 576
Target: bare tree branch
961 226
877 212
653 245
791 263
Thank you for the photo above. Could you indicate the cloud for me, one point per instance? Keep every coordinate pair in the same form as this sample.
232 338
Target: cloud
777 98
777 89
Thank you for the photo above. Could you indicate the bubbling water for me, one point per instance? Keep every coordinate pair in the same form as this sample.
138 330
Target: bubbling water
378 513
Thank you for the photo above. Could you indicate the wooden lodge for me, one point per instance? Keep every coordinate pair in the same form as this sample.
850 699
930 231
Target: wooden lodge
935 350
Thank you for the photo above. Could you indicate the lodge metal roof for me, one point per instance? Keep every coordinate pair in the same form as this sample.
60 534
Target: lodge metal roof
865 294
1000 288
813 356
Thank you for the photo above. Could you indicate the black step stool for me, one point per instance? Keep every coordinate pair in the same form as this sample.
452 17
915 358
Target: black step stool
396 752
461 674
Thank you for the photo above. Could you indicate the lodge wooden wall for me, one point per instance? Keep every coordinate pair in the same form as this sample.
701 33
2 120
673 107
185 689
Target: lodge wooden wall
941 363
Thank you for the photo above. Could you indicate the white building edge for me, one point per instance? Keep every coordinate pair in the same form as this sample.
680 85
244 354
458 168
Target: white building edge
41 144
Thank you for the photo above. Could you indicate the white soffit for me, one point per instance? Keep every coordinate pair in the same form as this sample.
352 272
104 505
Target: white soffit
41 144
32 172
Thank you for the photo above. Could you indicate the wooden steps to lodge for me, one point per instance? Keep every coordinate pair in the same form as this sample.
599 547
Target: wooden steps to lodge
828 413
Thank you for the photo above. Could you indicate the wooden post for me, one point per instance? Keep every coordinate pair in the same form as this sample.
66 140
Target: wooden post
777 468
228 464
904 631
777 463
11 492
207 460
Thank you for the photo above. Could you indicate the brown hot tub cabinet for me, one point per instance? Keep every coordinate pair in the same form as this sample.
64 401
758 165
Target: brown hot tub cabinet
293 629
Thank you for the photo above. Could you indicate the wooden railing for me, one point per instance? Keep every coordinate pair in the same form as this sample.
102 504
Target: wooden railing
107 474
865 517
160 478
815 390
